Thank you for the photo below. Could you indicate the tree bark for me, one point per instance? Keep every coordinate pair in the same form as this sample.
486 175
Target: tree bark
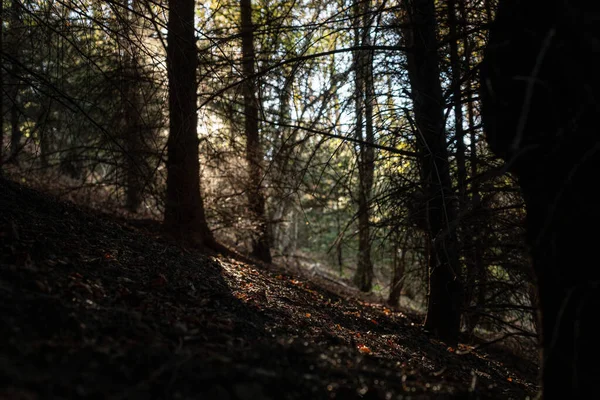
132 112
15 32
476 274
1 85
540 110
445 289
455 65
44 134
364 91
254 157
475 287
399 267
283 168
184 210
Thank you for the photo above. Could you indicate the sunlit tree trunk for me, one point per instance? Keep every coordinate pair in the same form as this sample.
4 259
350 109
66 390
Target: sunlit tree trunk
445 289
254 157
184 209
364 92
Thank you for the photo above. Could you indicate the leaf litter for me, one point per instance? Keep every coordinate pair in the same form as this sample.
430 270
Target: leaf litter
93 307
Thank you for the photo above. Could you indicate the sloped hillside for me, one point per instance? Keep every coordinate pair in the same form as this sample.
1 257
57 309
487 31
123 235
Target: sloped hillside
92 308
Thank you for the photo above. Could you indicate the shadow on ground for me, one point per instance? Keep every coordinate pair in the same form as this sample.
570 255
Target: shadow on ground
92 308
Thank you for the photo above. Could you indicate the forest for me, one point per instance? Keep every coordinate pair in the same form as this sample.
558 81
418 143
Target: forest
262 199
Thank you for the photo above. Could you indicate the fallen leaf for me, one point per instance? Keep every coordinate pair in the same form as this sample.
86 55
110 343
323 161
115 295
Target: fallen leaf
364 349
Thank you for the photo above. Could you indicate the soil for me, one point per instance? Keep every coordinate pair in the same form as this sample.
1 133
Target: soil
94 307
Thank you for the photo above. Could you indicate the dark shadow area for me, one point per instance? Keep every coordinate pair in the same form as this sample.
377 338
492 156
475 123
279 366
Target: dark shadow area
95 309
92 308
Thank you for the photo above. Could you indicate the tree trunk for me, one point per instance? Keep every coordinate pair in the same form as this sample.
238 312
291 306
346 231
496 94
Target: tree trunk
540 109
15 136
399 267
283 168
445 290
476 271
132 112
15 32
363 277
339 251
455 64
44 133
476 279
184 210
1 86
256 201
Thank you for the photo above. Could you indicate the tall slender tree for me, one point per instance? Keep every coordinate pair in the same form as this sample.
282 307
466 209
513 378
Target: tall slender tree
254 154
444 297
16 30
184 209
475 276
1 83
132 106
398 268
365 97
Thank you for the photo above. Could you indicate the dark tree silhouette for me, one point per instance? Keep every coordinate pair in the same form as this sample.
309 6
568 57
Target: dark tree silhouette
15 32
256 200
445 290
540 85
184 211
365 99
1 84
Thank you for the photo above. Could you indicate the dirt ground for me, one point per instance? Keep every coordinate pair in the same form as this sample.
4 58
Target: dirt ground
100 309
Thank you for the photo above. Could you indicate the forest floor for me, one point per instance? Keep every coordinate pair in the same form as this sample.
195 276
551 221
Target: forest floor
95 308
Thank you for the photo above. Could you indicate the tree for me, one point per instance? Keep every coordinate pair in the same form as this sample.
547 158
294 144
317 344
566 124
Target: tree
256 200
15 32
398 269
1 84
184 209
132 107
539 88
445 292
365 97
